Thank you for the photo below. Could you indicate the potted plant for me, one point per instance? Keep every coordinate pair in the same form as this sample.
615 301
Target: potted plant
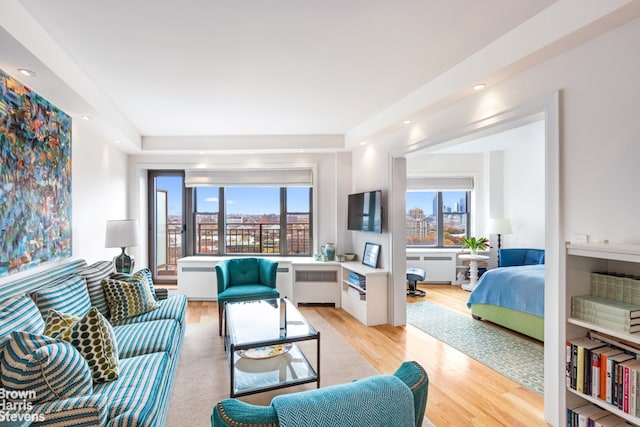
475 244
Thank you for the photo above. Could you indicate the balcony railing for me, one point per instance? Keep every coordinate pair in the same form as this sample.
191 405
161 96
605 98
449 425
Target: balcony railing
246 238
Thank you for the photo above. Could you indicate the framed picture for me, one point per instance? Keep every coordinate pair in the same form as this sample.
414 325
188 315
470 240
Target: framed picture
371 252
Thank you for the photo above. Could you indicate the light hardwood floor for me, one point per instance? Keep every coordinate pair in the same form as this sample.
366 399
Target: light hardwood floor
462 392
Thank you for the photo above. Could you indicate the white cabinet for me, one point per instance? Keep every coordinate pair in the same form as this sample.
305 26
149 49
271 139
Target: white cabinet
581 260
364 295
316 282
197 278
439 266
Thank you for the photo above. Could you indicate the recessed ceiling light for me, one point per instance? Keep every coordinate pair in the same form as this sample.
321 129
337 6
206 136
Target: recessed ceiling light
117 141
406 122
201 152
479 86
362 143
26 72
86 118
301 151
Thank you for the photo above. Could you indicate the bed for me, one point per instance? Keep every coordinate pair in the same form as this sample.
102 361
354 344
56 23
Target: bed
513 294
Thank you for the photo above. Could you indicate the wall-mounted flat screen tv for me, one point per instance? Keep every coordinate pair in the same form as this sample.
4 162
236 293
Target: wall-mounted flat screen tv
364 212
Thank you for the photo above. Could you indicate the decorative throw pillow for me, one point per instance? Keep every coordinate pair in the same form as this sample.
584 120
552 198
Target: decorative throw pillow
146 277
94 338
69 295
128 298
57 322
42 365
94 274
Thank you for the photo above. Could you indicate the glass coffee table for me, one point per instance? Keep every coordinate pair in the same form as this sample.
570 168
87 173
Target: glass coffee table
261 341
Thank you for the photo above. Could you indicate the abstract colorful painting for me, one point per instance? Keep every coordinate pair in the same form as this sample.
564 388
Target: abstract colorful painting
35 179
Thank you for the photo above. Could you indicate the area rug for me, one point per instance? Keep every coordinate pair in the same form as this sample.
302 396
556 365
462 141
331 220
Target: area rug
516 358
203 374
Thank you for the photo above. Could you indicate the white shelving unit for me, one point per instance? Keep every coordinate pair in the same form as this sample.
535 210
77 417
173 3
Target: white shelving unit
368 304
581 260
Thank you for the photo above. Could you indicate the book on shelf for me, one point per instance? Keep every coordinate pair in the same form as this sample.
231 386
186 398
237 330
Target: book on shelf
611 420
604 354
585 415
358 280
586 303
612 377
615 286
594 315
579 369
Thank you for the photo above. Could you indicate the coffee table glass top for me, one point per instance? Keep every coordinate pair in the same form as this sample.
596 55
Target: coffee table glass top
263 356
255 322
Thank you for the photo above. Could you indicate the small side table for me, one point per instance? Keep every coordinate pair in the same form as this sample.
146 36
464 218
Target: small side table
473 269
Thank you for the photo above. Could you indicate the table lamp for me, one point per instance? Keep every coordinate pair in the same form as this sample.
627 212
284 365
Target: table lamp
123 234
500 226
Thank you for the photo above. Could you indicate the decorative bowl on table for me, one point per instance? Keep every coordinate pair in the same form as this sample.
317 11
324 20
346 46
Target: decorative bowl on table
350 256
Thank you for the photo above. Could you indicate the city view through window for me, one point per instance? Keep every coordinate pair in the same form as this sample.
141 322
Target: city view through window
427 209
251 221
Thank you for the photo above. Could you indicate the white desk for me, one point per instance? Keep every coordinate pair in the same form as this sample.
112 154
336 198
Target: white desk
473 269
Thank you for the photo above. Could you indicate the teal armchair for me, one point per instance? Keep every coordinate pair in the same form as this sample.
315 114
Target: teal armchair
381 400
245 279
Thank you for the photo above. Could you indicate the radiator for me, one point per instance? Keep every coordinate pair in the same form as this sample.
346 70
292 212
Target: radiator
439 267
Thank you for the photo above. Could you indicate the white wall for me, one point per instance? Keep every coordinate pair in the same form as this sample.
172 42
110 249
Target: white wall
99 191
599 133
524 204
325 183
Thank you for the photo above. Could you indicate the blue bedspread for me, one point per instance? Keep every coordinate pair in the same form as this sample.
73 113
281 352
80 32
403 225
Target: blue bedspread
519 288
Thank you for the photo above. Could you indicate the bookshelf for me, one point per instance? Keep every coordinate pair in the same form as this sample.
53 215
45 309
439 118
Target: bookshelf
581 261
366 302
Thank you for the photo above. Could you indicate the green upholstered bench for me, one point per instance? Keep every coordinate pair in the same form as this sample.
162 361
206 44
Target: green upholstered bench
399 399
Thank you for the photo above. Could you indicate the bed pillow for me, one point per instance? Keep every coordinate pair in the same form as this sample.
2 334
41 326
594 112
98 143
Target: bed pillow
69 295
128 298
93 337
42 365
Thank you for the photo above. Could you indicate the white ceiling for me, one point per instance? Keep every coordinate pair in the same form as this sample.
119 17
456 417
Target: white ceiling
254 67
282 75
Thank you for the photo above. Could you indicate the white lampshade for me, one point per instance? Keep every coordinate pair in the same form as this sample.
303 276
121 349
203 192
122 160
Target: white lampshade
122 233
500 226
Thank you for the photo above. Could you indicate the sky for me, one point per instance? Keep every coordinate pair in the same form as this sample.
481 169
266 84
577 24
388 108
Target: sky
424 200
240 200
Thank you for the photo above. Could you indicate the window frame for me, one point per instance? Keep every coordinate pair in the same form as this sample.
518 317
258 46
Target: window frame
222 225
440 218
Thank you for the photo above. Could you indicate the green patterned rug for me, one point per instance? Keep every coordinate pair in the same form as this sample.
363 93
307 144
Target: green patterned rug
514 357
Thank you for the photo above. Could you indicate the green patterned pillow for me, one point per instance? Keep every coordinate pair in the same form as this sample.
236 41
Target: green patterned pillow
128 298
146 277
94 338
57 322
45 366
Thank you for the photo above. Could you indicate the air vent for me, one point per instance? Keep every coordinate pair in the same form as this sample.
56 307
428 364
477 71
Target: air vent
316 276
283 269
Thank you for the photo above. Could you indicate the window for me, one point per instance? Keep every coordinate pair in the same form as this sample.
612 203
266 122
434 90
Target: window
437 218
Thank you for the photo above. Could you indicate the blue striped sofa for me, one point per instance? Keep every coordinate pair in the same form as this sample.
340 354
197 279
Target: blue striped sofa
148 348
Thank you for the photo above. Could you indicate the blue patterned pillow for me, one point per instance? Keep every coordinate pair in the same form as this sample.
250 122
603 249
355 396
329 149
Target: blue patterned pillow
45 366
69 295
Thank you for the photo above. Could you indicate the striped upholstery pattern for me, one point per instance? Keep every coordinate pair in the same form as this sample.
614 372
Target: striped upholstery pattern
19 314
140 394
173 307
69 296
147 337
77 411
27 284
52 369
94 274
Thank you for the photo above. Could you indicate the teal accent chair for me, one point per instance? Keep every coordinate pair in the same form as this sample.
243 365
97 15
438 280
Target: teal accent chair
245 279
408 388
